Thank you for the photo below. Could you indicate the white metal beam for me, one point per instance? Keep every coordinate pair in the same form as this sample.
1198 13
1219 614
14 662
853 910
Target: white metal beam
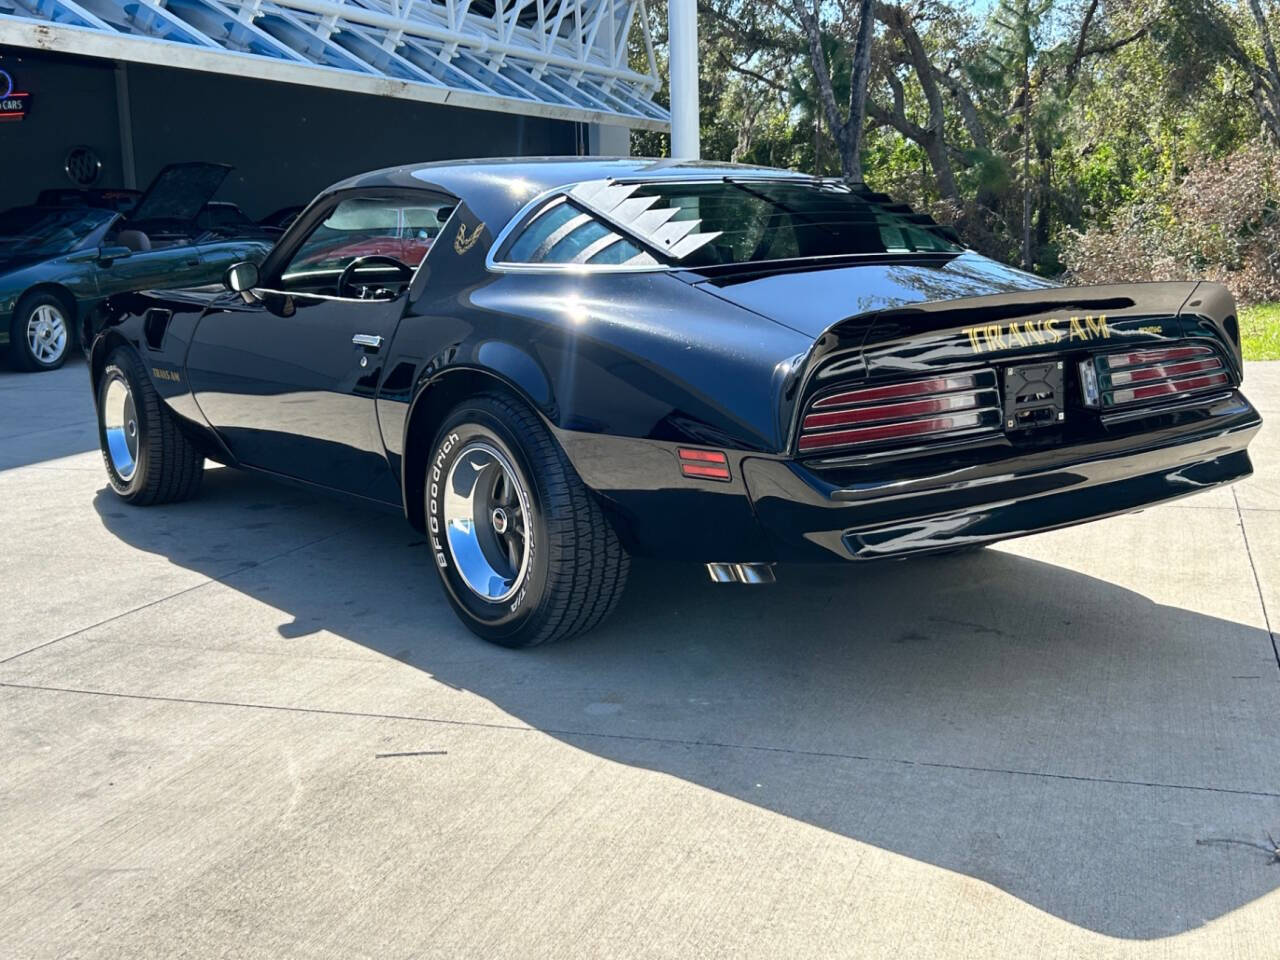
682 20
570 59
133 48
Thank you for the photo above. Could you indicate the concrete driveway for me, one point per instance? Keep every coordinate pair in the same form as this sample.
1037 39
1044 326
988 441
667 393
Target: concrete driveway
250 726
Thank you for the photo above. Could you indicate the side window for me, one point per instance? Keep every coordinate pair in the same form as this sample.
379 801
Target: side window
419 228
562 233
399 232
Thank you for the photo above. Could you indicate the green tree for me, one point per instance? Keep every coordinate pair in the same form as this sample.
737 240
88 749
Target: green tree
1016 45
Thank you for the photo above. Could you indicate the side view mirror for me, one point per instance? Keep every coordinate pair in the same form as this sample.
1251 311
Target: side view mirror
241 277
107 254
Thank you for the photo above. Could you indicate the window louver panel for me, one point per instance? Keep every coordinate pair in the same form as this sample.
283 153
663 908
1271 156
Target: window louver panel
563 233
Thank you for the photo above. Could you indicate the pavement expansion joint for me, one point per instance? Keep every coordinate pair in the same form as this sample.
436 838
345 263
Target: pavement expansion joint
663 741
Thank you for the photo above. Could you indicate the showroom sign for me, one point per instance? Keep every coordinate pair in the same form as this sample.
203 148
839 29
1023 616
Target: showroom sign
14 104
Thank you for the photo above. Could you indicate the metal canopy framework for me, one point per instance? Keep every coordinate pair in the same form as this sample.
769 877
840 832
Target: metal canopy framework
565 59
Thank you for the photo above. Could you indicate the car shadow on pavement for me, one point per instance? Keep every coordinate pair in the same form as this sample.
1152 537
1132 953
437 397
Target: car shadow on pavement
1065 739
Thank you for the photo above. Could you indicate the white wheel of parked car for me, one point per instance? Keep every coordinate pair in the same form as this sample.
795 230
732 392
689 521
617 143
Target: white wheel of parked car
40 335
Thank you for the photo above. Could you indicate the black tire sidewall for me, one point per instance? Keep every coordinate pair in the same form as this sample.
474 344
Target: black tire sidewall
18 331
120 367
503 622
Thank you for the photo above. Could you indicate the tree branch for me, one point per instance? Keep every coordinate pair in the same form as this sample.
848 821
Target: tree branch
1114 45
818 59
861 70
899 22
1074 65
897 117
968 110
752 74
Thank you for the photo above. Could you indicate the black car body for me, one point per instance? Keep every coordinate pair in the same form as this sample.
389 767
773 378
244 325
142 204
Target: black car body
60 260
846 383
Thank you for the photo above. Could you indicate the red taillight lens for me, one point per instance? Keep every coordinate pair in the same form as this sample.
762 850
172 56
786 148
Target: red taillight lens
898 391
1157 373
1163 371
891 411
1138 358
933 407
703 464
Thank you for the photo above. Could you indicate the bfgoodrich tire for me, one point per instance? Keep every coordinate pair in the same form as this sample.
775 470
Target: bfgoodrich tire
148 458
525 553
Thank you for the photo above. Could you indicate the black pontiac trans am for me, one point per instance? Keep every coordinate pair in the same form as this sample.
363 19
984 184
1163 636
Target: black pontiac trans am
551 365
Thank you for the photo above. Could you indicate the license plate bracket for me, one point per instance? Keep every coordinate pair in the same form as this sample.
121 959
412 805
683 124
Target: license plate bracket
1033 395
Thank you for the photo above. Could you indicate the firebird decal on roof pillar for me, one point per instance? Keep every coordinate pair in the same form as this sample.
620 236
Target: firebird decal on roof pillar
462 241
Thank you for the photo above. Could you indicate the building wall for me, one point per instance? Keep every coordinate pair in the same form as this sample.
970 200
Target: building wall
609 140
286 142
289 142
73 102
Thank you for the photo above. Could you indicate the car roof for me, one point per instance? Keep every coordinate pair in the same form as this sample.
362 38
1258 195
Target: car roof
497 189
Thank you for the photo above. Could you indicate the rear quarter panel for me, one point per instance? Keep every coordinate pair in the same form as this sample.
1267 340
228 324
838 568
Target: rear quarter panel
639 355
623 367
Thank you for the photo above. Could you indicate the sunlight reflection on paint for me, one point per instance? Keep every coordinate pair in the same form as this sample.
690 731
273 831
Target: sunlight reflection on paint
576 311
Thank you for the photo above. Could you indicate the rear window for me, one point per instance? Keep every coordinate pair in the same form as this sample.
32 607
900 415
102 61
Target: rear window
761 220
714 223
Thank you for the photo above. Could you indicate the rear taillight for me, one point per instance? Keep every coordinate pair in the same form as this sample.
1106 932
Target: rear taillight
937 407
1154 374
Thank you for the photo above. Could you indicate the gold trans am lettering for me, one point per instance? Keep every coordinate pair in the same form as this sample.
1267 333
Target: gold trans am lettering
1031 333
162 374
463 241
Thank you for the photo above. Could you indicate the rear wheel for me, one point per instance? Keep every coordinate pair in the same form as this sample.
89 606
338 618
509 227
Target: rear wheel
148 458
40 333
525 553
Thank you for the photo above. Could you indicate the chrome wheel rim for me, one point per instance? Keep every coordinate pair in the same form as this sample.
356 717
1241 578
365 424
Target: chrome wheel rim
120 427
486 516
47 333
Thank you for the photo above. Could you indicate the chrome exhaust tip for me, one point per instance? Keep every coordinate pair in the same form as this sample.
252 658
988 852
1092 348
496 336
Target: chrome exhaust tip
754 572
721 572
741 572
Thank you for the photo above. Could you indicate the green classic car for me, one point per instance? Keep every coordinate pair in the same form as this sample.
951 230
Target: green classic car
58 264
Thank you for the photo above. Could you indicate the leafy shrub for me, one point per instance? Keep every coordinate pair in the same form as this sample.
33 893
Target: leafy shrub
981 228
1220 222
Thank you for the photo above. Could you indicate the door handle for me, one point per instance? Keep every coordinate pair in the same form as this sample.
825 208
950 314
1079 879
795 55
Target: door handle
370 340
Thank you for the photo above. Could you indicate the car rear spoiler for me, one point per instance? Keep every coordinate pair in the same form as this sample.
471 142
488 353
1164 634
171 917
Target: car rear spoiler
1024 323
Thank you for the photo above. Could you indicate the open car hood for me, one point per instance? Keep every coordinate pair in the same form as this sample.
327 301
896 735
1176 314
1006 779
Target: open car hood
180 191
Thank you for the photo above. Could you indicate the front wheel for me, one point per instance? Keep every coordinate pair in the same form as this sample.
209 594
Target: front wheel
148 458
525 553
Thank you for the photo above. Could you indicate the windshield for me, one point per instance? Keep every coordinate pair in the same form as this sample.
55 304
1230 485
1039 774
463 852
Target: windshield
48 231
761 220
